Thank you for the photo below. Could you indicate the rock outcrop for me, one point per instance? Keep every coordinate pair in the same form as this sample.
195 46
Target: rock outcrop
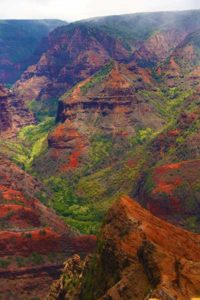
139 257
158 47
173 193
169 187
108 102
33 239
74 52
13 113
182 69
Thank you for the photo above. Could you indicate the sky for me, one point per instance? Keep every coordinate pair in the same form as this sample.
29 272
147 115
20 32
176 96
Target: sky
72 10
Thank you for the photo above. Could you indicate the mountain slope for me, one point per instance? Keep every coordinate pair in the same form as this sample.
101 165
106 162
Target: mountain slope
183 66
107 103
135 28
127 123
21 45
170 187
34 240
118 111
74 53
78 50
13 114
100 119
139 257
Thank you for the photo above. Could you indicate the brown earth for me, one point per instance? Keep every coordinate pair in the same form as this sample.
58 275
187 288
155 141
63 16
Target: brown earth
139 257
31 235
13 113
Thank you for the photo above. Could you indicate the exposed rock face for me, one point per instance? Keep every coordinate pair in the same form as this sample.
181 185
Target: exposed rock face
174 194
29 230
108 102
13 113
73 271
158 47
28 282
111 95
74 53
140 257
182 67
170 189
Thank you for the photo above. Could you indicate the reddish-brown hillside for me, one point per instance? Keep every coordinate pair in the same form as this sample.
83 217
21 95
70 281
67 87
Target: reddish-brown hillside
13 113
139 257
108 102
182 67
75 52
32 237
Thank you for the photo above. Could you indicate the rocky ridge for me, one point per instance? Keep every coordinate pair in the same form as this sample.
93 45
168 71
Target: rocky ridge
13 114
33 239
139 257
74 53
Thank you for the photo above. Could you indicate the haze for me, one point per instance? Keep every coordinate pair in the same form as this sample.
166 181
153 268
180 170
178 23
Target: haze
80 9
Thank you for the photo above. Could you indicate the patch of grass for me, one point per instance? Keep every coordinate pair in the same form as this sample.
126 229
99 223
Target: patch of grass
43 109
37 259
4 263
97 78
30 143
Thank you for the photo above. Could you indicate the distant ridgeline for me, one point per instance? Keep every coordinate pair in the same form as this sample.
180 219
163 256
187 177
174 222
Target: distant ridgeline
21 44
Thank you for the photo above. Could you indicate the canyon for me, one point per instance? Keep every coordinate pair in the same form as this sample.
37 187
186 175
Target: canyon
101 112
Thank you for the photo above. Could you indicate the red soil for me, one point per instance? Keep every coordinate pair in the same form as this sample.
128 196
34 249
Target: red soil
166 252
18 215
24 243
166 187
165 168
173 132
73 162
166 199
10 194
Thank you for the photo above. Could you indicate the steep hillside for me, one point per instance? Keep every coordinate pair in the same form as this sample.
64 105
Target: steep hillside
135 28
122 110
13 114
139 257
116 112
74 53
78 50
108 103
34 240
100 119
158 47
183 66
107 107
171 188
21 44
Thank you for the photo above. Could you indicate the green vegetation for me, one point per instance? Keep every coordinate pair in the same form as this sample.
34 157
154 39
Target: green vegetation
33 259
4 263
28 235
97 78
192 223
84 196
113 164
37 259
144 135
43 109
31 143
100 150
74 209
